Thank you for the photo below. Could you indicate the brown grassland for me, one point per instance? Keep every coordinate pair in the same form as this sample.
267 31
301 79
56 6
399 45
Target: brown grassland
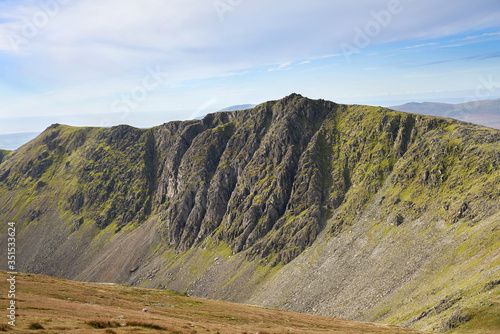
51 305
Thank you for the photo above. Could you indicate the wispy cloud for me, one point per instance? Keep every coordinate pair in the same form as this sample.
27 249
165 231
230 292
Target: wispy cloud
453 45
281 67
420 45
326 56
420 75
478 57
472 39
485 56
89 39
480 36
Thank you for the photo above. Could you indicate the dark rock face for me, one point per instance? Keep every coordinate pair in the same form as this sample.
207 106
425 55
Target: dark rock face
244 176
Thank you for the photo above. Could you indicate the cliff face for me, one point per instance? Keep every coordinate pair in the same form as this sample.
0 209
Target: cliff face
299 204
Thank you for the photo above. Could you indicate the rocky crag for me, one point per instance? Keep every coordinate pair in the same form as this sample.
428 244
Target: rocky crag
349 211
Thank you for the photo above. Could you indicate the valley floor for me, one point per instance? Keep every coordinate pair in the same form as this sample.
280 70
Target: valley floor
51 305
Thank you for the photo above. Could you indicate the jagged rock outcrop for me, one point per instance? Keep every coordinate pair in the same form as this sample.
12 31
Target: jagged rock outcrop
280 205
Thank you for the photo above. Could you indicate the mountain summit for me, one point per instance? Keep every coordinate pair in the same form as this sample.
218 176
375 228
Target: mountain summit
341 210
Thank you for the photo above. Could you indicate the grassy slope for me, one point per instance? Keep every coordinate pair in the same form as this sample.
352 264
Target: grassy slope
436 254
73 307
3 154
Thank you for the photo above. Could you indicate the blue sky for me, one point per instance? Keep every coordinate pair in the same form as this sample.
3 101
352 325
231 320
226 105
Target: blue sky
108 62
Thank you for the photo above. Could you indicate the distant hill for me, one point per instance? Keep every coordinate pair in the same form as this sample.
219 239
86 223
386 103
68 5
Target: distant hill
15 140
233 108
486 112
239 107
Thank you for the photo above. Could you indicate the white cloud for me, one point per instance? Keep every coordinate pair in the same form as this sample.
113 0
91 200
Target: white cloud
480 36
92 38
420 45
473 39
281 67
326 56
93 50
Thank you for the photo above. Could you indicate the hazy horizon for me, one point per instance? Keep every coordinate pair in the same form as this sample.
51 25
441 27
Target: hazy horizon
36 124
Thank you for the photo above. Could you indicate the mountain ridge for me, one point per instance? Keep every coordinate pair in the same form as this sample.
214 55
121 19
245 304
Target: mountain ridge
484 112
294 204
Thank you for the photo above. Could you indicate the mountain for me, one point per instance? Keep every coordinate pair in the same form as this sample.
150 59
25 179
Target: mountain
239 107
233 108
15 140
485 112
348 211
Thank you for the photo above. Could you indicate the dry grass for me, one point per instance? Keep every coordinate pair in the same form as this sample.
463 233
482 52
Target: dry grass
35 326
4 327
61 306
